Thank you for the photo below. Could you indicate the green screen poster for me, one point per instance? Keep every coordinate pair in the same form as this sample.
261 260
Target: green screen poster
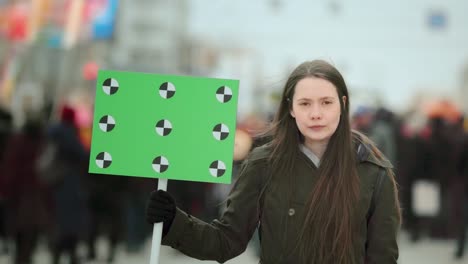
164 126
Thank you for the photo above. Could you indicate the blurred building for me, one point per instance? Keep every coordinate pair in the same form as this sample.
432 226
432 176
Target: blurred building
151 36
59 56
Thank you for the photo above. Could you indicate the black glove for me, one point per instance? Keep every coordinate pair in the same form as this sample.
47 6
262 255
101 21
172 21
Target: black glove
161 207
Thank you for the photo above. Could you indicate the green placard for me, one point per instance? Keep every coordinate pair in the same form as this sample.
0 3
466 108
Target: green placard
164 126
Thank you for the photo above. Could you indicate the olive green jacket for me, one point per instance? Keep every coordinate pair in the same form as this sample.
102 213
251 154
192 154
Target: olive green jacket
280 218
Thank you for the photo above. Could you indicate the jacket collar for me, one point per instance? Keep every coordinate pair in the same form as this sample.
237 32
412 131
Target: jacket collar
364 154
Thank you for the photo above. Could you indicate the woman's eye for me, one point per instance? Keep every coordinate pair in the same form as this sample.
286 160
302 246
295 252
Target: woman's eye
327 102
304 104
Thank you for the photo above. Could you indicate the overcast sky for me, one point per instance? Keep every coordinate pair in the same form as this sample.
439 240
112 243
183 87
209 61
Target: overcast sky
385 46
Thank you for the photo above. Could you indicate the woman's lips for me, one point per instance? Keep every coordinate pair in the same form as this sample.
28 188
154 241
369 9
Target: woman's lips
316 127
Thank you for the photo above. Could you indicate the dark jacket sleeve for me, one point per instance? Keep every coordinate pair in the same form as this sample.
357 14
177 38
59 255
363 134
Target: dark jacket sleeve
383 226
227 237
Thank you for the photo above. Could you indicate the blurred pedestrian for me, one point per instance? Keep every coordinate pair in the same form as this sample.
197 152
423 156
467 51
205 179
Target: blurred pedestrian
23 190
411 164
135 199
383 133
106 204
319 192
69 197
442 157
362 119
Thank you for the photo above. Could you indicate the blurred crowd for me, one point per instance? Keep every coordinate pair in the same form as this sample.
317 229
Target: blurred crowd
427 148
47 195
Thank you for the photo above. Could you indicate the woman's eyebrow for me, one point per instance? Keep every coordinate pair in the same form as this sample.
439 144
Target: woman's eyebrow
321 98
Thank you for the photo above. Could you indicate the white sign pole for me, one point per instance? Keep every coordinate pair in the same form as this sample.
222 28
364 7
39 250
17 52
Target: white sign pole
157 230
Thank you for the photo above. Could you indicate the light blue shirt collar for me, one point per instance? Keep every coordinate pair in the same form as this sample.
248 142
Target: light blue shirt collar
310 155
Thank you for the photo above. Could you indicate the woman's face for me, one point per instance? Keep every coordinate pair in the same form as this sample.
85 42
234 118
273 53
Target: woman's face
316 109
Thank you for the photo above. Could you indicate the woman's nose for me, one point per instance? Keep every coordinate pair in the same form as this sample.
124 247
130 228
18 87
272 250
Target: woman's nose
315 113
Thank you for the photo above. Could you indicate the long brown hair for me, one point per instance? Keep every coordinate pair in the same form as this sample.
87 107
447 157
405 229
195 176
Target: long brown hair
327 233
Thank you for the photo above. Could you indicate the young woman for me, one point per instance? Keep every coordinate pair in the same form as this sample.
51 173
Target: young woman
318 191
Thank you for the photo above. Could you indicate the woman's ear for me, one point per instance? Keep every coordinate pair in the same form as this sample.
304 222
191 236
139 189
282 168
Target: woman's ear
344 100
